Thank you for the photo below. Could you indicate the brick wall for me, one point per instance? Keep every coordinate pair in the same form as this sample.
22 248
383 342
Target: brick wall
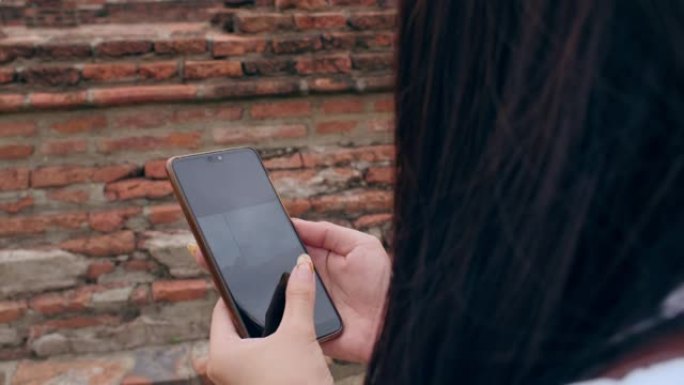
92 243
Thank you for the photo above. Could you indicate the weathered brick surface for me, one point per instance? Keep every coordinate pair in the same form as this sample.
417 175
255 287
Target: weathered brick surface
181 363
93 254
170 249
26 271
102 245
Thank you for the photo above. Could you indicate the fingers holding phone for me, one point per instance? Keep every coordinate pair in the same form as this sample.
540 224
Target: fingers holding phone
291 355
355 269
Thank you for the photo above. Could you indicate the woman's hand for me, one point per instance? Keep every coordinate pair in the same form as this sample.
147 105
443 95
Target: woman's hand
355 269
290 356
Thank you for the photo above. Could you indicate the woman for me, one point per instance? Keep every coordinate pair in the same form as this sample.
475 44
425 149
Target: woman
538 221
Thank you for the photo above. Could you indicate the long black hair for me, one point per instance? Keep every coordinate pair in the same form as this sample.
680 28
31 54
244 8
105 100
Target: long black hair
540 182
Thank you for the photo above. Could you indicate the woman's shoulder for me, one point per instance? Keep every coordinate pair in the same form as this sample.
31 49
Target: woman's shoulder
662 373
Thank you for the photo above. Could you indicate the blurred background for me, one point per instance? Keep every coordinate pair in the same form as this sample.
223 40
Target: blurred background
96 285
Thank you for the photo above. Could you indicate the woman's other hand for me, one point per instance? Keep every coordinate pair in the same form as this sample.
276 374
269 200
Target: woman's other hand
355 269
291 355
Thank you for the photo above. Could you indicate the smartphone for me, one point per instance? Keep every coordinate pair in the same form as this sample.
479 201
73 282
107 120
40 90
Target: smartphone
247 237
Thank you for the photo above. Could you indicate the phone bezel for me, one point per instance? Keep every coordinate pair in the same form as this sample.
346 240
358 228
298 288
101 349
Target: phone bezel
217 277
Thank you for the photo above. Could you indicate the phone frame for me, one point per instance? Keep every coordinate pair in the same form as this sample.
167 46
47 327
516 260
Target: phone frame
219 283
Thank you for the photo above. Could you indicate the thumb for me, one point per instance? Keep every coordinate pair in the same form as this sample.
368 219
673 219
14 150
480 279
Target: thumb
298 315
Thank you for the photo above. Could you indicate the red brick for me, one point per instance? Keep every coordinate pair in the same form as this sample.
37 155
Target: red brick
296 207
56 303
142 118
384 175
156 169
261 87
76 322
63 147
364 3
192 114
324 65
187 140
339 40
276 87
296 44
375 40
6 75
242 135
52 176
17 205
381 125
342 106
16 151
18 128
67 220
123 48
342 156
99 268
114 172
111 220
358 201
301 4
14 179
143 94
140 295
263 22
158 70
336 127
284 162
330 84
231 45
11 102
22 225
164 214
51 76
212 69
384 105
269 66
375 20
103 245
324 20
182 47
81 124
372 61
57 100
68 195
68 51
137 188
285 109
11 311
38 224
107 72
179 290
12 51
372 220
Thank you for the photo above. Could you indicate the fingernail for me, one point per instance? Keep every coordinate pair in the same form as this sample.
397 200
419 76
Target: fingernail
193 248
304 269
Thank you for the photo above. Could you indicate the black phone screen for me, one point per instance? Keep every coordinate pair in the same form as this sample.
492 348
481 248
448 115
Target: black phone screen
249 236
